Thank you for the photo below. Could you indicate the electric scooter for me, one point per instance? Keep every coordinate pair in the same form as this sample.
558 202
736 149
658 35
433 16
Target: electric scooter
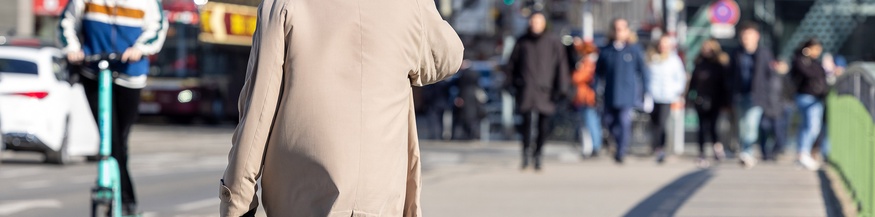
106 195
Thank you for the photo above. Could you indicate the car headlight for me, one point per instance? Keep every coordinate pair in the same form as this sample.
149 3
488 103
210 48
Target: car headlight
185 96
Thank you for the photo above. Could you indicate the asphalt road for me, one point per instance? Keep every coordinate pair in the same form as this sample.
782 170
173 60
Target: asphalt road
176 171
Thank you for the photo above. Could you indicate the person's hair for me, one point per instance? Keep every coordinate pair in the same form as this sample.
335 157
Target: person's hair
811 42
653 52
748 26
612 32
536 13
716 55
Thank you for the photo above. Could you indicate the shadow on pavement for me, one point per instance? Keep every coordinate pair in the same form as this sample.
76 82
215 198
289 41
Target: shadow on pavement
831 202
668 200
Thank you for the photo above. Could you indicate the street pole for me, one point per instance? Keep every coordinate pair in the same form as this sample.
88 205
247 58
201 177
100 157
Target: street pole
24 25
587 21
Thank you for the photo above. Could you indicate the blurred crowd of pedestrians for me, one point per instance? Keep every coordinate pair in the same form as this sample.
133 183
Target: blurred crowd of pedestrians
608 85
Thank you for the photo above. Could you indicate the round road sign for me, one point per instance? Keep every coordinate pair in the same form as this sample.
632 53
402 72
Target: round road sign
724 12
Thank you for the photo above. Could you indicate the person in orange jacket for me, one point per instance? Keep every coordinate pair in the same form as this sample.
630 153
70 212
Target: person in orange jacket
585 97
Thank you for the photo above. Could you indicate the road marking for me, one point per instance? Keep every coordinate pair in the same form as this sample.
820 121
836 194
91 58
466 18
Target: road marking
18 206
20 172
35 184
198 204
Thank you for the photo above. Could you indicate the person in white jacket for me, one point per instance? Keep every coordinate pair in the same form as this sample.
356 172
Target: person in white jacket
667 85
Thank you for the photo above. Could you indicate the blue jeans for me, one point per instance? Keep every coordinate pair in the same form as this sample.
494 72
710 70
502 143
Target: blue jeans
748 123
811 110
619 122
592 123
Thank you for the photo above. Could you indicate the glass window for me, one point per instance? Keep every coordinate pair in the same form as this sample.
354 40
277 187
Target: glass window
18 66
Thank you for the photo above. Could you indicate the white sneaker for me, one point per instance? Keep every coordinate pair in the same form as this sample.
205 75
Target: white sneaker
808 163
747 160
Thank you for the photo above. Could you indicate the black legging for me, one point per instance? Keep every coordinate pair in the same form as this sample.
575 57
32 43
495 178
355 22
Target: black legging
707 128
125 102
543 131
658 119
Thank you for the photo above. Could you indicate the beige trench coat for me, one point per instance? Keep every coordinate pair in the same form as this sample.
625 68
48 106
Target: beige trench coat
327 117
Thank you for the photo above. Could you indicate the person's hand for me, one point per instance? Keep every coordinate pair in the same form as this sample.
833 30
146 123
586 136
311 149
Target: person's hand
132 55
780 67
75 57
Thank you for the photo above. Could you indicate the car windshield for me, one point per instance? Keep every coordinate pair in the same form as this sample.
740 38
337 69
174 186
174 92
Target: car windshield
17 66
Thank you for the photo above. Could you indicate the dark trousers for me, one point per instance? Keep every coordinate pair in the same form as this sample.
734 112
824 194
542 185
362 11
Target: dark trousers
776 128
125 105
658 120
619 122
528 130
707 128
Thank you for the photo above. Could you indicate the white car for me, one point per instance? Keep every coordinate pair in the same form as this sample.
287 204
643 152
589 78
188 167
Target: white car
40 110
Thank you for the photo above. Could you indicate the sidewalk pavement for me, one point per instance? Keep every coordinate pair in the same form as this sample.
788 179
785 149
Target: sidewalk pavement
477 179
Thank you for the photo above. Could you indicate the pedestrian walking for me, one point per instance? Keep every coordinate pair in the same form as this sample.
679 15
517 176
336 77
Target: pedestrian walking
810 78
469 104
668 80
327 123
751 84
134 29
709 94
539 75
585 97
622 67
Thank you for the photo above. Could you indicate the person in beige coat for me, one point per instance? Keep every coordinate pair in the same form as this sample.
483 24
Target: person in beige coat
326 114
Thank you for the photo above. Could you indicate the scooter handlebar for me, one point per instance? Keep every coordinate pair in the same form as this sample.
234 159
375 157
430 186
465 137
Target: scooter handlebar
102 56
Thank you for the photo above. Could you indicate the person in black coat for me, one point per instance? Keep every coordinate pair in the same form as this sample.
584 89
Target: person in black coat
753 85
622 67
708 94
538 75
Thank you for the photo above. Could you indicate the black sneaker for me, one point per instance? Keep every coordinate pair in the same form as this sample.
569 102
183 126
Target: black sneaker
537 163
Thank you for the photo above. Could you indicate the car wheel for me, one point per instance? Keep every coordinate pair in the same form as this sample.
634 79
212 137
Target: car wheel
61 157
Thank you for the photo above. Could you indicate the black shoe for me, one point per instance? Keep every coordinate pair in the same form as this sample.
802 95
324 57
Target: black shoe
660 157
129 210
537 163
525 162
618 160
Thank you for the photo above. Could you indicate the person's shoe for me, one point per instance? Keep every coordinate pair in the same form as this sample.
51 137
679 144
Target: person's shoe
747 160
719 154
537 164
618 160
660 157
702 162
130 210
525 163
807 162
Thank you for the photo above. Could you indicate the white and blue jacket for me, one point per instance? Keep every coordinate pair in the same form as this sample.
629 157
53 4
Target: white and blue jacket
113 26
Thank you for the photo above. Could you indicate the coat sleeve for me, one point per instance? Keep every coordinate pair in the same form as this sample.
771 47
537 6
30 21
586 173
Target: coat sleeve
512 67
441 49
643 70
70 23
680 76
258 103
563 79
154 29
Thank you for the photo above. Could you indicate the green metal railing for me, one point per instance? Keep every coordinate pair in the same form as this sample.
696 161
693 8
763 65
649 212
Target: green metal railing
852 134
850 108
